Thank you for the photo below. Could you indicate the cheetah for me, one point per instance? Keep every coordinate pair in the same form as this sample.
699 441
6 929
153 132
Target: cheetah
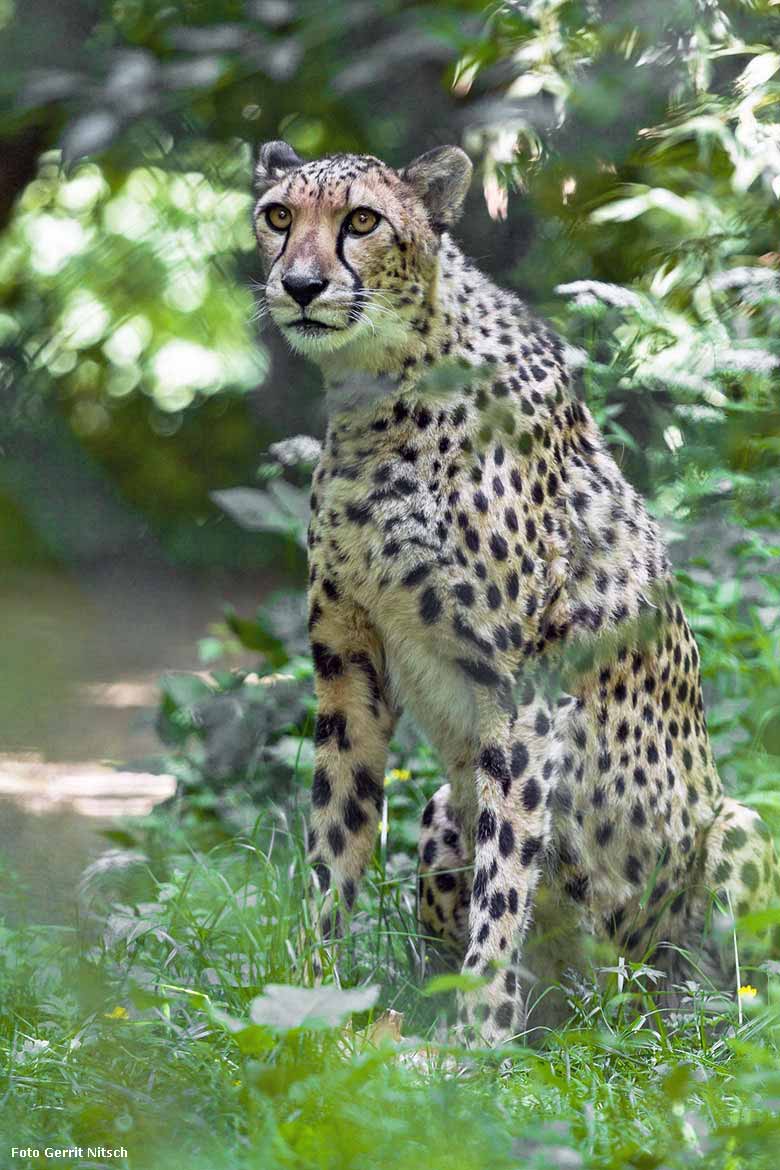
477 557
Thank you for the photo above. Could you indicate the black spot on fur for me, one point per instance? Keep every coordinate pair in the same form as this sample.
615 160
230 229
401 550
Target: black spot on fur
603 834
480 672
497 905
359 513
532 794
577 887
493 761
334 724
464 593
367 788
326 663
499 546
416 576
336 840
354 816
430 606
504 1013
486 826
542 724
519 759
321 789
529 850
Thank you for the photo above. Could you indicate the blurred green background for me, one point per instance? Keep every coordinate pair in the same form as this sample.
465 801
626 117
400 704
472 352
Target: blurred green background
627 160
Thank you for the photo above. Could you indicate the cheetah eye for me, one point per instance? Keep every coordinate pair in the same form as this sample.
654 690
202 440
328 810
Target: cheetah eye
278 217
361 221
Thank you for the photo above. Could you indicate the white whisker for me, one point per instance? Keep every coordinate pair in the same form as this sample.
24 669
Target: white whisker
260 312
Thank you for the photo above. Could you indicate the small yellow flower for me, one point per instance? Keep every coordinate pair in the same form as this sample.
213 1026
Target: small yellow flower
399 774
118 1013
236 1082
747 992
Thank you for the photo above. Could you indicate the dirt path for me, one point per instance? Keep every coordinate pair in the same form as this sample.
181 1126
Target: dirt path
81 659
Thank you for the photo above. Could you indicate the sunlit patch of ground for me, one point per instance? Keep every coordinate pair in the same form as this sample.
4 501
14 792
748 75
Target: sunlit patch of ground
121 695
89 788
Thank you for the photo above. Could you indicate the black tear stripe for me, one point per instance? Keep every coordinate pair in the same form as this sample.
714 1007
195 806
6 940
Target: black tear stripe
280 253
355 312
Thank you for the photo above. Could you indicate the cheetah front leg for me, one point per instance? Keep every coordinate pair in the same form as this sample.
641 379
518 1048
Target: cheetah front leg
354 723
515 763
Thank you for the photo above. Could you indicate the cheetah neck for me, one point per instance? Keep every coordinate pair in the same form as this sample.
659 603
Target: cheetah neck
443 324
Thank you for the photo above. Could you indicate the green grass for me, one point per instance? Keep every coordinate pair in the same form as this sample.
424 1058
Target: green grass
136 1031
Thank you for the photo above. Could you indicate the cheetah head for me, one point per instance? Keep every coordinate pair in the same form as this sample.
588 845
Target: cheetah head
350 245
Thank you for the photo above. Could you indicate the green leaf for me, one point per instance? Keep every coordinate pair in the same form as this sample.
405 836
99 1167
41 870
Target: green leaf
254 1040
678 1082
209 650
120 837
292 500
253 509
144 1000
184 690
761 799
251 1039
759 920
444 983
253 636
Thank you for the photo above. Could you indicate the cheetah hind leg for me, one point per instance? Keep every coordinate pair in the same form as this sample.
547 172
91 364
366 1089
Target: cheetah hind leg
444 875
741 870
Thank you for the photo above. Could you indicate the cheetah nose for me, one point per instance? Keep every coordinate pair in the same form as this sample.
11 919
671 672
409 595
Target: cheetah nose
303 289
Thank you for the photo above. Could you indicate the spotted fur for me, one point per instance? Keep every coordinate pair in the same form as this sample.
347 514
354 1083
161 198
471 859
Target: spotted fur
476 555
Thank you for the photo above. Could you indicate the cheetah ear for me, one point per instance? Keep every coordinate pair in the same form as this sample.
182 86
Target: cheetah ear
274 161
441 179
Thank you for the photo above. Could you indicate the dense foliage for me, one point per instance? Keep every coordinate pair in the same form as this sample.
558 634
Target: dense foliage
629 161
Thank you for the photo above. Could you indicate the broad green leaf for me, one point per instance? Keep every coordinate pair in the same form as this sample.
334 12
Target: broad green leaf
253 509
444 983
252 635
185 689
759 920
